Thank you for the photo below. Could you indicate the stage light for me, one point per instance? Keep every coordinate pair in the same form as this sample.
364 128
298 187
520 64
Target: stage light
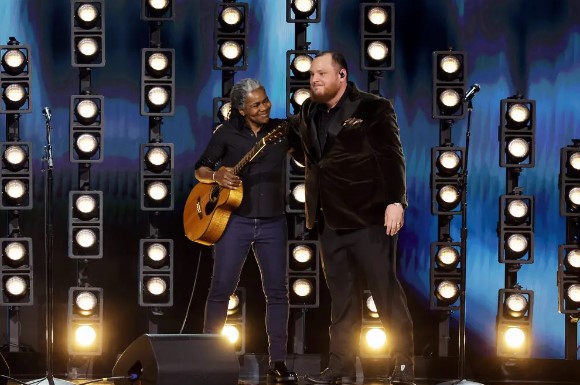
448 163
85 321
16 273
376 18
569 180
86 302
377 51
16 176
447 258
376 338
447 291
370 308
448 85
231 19
235 325
517 132
373 337
514 338
299 193
447 168
226 110
302 254
88 33
448 197
573 165
156 272
515 229
572 260
15 78
517 242
15 286
157 158
377 38
573 293
303 291
156 177
300 65
14 61
297 79
86 118
157 82
85 224
87 15
299 96
157 10
517 211
514 322
302 11
232 333
302 287
230 36
15 96
295 187
516 305
156 286
15 252
233 304
569 279
303 260
445 275
222 109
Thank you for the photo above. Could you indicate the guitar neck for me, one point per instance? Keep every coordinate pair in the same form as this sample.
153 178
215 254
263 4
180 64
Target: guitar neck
249 156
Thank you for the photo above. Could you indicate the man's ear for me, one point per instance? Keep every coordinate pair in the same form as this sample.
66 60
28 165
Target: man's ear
242 112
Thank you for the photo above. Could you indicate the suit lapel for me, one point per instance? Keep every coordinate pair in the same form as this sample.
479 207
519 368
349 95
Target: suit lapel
309 134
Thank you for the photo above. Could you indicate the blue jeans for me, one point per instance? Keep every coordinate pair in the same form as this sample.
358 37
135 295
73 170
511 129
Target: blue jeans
267 238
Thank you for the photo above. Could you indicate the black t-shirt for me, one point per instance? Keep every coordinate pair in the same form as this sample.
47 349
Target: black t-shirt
264 178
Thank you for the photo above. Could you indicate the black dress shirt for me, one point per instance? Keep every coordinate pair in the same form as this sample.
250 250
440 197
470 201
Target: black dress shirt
264 178
323 117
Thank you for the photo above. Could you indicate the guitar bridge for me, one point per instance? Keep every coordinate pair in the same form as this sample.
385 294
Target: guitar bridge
198 208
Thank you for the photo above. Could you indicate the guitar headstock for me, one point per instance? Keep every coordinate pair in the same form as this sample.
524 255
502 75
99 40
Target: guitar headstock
277 133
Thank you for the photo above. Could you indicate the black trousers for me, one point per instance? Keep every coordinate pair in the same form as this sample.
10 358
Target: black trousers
347 258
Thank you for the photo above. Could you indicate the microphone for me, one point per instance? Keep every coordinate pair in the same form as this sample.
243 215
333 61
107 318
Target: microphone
471 93
46 113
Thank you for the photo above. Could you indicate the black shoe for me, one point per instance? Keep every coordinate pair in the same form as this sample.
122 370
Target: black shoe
329 376
281 375
403 375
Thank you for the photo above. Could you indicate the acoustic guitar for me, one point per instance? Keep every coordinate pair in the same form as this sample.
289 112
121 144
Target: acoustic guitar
209 205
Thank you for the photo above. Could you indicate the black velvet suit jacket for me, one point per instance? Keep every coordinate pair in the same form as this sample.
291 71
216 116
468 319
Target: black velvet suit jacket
361 169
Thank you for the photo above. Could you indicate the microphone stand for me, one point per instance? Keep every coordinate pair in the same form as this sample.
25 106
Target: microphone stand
48 250
462 318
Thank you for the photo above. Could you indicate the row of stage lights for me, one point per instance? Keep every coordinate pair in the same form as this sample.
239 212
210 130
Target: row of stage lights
86 148
156 174
569 253
16 274
515 228
156 169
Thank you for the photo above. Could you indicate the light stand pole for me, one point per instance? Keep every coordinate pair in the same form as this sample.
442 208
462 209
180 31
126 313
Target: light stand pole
462 318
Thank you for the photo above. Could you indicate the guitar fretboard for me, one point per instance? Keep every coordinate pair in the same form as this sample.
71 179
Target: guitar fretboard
249 156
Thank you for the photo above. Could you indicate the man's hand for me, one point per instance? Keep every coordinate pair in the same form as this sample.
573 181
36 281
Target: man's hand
225 177
394 218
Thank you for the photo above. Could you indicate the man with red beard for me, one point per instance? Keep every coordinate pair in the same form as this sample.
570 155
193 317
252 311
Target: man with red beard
356 191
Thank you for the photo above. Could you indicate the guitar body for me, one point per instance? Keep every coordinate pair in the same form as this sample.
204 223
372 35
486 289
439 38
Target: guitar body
207 211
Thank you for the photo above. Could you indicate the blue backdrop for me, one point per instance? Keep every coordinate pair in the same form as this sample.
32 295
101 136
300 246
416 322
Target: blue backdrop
531 47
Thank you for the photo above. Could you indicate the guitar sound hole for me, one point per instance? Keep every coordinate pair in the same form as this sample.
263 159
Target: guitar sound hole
214 195
210 207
